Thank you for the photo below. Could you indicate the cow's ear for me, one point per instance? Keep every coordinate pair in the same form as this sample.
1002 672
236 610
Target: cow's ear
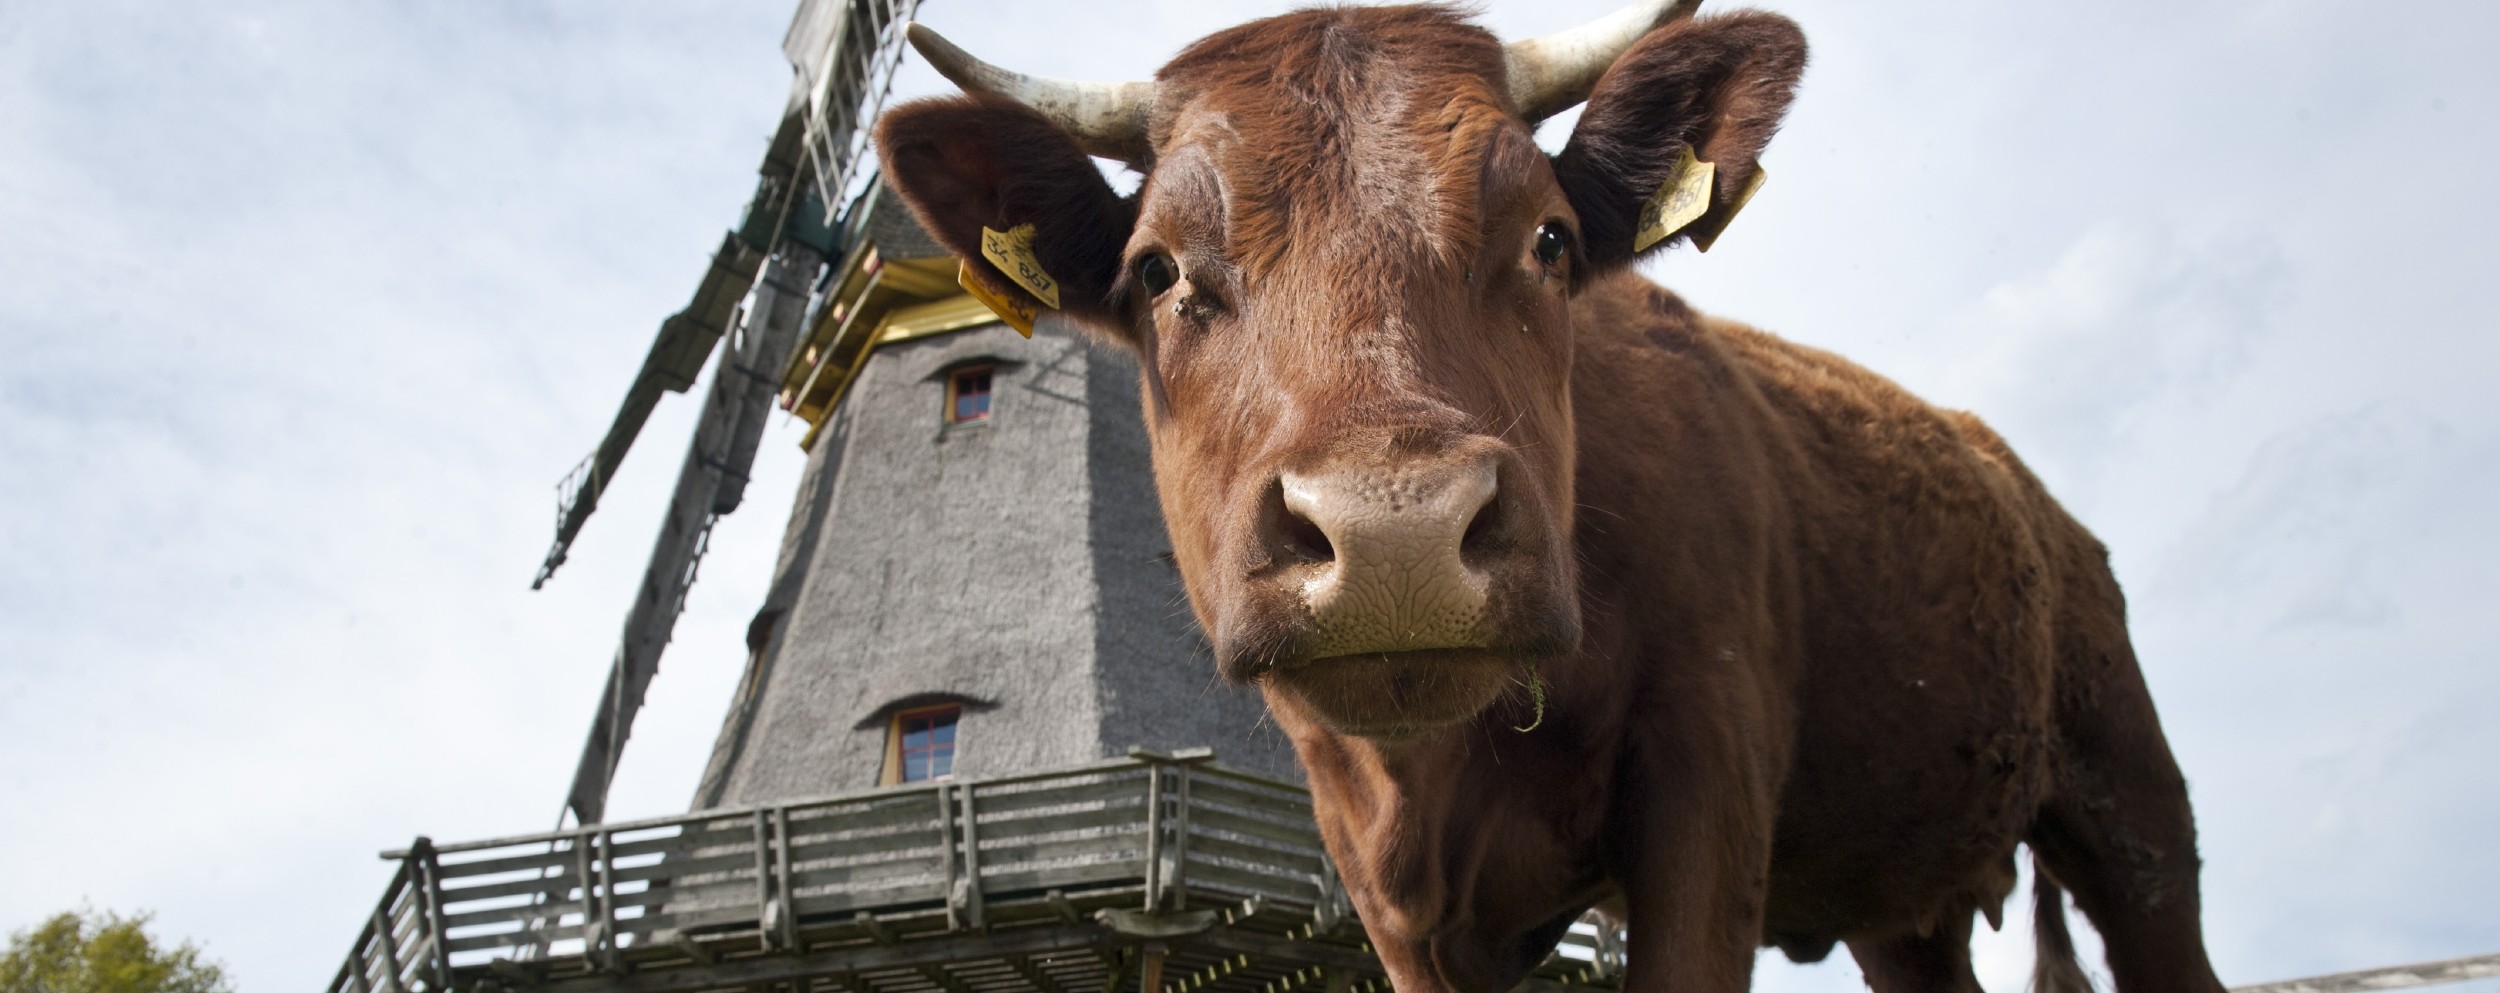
974 162
1713 88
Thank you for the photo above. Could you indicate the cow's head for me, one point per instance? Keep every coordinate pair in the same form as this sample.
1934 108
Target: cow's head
1347 276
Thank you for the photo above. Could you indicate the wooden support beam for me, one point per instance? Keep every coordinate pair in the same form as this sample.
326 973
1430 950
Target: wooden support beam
1032 973
694 949
1117 976
1263 946
1150 970
769 969
876 930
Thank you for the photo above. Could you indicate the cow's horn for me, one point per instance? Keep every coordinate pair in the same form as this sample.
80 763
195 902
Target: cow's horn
1108 119
1549 74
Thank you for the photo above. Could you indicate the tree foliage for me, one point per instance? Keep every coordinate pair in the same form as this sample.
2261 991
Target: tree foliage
92 952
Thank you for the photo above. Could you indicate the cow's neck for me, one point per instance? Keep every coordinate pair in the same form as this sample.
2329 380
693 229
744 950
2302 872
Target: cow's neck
1430 856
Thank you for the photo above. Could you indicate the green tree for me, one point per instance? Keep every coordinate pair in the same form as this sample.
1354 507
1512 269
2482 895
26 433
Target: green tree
90 952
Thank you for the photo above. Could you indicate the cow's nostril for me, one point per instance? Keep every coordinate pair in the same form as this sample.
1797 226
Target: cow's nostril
1484 532
1303 538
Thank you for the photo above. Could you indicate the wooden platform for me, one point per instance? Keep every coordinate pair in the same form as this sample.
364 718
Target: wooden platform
1158 874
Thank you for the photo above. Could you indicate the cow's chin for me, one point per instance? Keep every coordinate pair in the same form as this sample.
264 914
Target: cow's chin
1394 695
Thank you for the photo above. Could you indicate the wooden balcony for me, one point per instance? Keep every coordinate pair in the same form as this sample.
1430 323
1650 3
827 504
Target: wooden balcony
1159 874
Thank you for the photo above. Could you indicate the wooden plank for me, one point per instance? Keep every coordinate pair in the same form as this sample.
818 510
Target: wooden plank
556 888
512 939
1300 864
561 858
1229 879
1301 837
685 919
740 893
840 876
1124 792
1132 821
1123 848
2392 977
692 843
1108 875
876 898
735 865
516 912
869 820
1216 791
880 847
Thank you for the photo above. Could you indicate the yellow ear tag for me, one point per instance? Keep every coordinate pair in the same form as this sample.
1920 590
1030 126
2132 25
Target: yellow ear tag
1012 252
1708 234
1681 200
1017 313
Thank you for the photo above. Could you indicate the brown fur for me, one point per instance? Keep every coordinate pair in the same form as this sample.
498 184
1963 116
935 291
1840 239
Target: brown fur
1816 655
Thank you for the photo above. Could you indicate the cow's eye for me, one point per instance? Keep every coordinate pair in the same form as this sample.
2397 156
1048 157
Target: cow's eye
1551 242
1155 273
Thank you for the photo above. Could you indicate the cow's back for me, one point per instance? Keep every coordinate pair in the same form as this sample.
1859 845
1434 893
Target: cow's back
1918 584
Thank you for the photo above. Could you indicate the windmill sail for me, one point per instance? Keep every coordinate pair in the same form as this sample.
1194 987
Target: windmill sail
844 54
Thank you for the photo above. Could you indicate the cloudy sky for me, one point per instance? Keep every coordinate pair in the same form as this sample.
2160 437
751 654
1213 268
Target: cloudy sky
306 304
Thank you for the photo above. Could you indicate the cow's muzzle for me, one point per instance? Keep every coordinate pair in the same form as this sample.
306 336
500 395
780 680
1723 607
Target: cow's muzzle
1385 555
1394 589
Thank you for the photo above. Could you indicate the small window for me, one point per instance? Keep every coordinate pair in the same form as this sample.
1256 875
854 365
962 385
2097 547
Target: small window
920 746
968 395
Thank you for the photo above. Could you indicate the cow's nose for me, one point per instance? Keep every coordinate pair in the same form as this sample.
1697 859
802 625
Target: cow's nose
1388 551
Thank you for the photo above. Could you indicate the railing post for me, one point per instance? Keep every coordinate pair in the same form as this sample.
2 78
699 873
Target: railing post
1154 836
946 858
1178 881
607 900
763 886
430 885
785 907
1324 909
972 860
590 899
389 949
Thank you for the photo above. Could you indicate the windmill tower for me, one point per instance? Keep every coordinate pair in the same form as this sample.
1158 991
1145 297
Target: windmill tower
974 749
975 555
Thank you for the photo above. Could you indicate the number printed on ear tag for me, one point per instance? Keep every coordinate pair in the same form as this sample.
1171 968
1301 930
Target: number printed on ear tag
1012 252
1017 313
1680 201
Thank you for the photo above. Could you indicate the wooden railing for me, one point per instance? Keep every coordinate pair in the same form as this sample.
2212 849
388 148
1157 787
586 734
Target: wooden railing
1155 829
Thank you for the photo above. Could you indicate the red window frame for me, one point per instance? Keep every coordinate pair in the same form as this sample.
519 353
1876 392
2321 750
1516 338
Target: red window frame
969 393
934 755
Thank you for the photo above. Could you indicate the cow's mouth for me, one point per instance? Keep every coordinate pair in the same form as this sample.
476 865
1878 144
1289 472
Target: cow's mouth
1395 694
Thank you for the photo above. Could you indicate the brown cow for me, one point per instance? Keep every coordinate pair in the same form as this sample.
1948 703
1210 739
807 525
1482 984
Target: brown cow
1567 594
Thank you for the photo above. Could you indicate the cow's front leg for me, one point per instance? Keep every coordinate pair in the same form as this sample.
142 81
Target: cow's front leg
1694 861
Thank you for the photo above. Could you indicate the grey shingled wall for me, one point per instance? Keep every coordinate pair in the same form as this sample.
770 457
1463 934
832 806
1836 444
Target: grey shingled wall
1020 566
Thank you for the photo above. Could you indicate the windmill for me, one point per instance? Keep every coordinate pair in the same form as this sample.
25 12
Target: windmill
748 307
